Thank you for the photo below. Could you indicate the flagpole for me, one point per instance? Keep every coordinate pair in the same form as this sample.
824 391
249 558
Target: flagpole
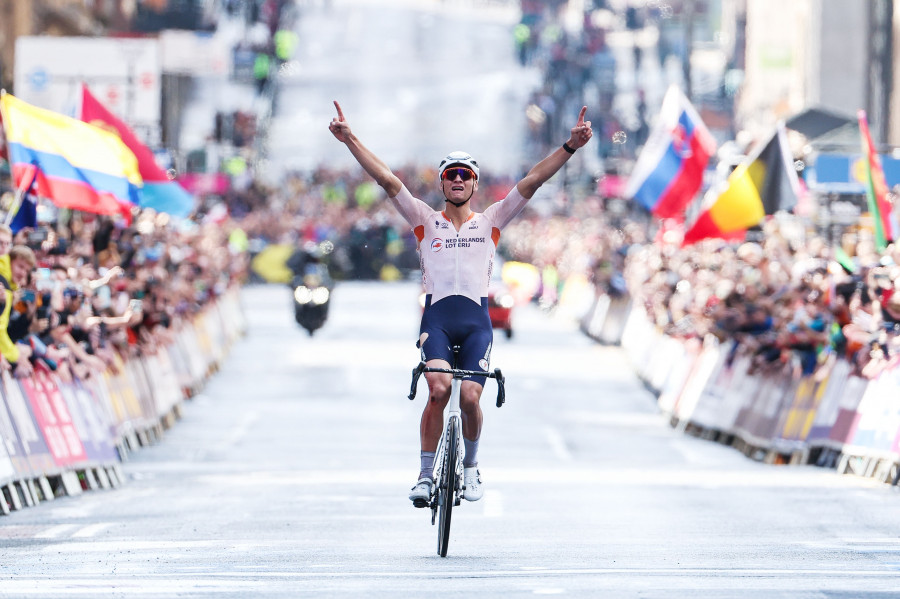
17 201
19 191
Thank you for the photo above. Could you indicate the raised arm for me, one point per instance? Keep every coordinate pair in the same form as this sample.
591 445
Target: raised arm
371 163
546 168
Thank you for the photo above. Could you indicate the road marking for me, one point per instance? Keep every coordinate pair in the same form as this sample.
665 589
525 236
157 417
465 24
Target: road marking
55 531
240 431
749 475
557 444
736 574
91 530
493 503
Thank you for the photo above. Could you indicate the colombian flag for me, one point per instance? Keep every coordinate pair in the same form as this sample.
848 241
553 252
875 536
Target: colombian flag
74 164
761 185
669 171
159 192
876 187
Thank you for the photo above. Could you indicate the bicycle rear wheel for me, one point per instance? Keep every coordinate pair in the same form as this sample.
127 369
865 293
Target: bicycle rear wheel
447 488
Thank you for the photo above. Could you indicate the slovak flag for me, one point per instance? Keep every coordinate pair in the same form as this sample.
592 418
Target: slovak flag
669 171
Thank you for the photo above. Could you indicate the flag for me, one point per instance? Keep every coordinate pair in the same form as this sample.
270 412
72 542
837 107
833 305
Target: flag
23 212
669 171
159 192
763 184
77 165
876 187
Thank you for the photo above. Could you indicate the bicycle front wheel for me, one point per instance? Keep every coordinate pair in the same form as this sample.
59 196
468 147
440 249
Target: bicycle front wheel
447 487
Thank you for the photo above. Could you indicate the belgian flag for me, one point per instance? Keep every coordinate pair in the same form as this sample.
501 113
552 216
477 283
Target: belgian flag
763 184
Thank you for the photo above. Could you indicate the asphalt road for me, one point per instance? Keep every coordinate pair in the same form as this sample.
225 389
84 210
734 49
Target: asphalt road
288 477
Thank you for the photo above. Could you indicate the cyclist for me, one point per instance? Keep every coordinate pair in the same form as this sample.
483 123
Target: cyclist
456 251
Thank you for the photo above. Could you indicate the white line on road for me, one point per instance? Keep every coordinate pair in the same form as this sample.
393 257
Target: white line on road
735 574
91 530
241 429
557 444
55 531
493 503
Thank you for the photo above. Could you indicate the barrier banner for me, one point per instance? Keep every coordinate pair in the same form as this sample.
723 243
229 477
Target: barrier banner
169 383
195 358
216 328
833 388
879 413
592 323
204 342
814 402
180 366
160 377
105 389
7 470
720 400
757 422
679 376
845 424
9 447
638 337
94 432
661 360
53 418
701 371
136 382
614 324
35 449
234 322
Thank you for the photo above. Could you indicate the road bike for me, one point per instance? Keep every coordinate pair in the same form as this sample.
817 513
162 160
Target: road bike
448 460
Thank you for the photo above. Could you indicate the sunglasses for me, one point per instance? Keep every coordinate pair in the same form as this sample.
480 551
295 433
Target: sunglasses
464 173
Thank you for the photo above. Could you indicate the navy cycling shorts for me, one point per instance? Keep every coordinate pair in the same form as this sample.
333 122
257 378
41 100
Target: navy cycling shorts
457 320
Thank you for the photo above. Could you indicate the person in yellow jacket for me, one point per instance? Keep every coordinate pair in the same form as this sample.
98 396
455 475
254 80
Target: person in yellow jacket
14 355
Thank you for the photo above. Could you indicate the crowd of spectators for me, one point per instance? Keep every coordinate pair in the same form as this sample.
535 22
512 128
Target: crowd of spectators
785 302
86 292
784 299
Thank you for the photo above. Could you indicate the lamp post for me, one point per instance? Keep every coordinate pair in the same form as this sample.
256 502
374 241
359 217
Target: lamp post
687 14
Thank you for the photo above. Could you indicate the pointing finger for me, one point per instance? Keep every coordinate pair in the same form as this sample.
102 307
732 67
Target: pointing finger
581 115
339 111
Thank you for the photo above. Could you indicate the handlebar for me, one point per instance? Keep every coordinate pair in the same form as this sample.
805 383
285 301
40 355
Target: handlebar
459 373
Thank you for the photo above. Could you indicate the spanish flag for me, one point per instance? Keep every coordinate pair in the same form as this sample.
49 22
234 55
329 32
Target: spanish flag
74 164
763 184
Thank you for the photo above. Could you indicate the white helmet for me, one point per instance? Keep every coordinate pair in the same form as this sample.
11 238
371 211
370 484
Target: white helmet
458 159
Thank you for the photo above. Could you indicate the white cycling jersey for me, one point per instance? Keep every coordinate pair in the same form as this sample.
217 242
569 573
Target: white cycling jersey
457 262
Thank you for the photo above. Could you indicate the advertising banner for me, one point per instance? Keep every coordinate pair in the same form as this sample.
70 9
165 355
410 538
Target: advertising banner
879 413
35 449
87 416
833 388
12 455
53 419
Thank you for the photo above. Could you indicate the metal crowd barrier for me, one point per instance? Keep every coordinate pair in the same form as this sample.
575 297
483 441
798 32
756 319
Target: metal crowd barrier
832 419
64 437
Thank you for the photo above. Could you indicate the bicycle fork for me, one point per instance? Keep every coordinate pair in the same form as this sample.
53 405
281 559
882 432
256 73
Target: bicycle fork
453 415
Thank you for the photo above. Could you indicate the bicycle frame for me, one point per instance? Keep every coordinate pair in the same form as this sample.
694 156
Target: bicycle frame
453 413
448 489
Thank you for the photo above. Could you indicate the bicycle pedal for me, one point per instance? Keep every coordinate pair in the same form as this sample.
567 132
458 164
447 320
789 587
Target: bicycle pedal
419 502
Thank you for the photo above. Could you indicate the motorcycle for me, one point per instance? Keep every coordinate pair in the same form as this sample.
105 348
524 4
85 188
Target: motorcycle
312 295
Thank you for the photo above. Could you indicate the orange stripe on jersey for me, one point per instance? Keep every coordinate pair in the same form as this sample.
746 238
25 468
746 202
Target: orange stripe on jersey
495 235
419 232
